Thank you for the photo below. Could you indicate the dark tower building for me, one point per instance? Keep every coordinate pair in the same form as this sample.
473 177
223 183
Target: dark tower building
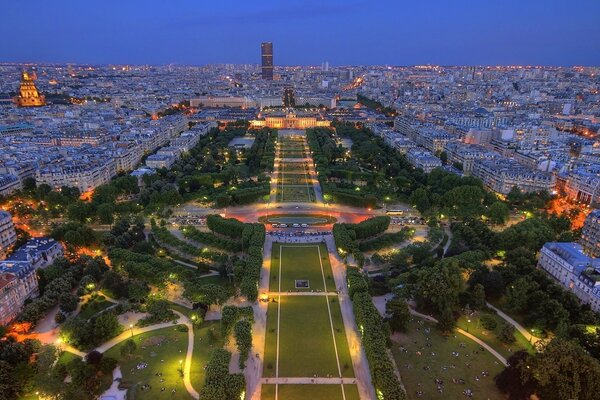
266 51
288 97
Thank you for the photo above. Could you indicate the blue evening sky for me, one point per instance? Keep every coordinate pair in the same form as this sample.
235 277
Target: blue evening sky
304 32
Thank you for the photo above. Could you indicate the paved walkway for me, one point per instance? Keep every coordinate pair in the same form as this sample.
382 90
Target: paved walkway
254 367
308 380
357 353
303 293
532 339
467 334
114 391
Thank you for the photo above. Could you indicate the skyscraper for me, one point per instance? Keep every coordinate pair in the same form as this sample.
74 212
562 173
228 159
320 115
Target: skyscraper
266 51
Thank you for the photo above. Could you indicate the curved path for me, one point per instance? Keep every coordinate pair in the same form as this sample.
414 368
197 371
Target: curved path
532 339
128 333
465 333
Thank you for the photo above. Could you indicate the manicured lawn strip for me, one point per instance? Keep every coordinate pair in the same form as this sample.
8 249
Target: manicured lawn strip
475 329
340 338
294 179
305 342
300 262
294 167
169 351
423 369
270 356
204 344
300 193
313 392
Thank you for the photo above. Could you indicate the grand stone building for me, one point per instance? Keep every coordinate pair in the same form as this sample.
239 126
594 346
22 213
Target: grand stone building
289 119
28 93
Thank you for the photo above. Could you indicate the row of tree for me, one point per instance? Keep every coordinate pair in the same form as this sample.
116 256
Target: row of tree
374 335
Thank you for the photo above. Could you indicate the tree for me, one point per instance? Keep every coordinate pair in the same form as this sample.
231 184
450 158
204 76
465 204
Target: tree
420 200
506 333
514 379
498 213
478 297
93 357
243 338
128 348
68 302
105 213
212 294
565 371
399 314
59 318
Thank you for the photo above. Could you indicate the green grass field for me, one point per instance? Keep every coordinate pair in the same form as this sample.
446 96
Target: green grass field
476 329
94 306
300 262
293 194
310 328
306 346
172 349
294 183
428 356
294 179
294 167
205 343
314 392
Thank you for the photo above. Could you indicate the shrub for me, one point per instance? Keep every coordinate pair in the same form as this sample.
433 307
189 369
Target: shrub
488 322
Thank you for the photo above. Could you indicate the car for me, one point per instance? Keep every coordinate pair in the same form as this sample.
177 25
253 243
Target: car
283 226
296 225
274 225
305 225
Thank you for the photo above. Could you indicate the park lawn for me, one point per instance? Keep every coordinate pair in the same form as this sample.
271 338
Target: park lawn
294 179
340 337
305 342
521 319
172 349
204 345
94 306
270 357
293 154
423 369
294 167
300 262
474 328
315 392
296 193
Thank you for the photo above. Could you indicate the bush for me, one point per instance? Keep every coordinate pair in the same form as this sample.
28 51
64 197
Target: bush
506 333
488 322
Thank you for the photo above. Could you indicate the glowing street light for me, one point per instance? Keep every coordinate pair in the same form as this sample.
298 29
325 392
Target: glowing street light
131 329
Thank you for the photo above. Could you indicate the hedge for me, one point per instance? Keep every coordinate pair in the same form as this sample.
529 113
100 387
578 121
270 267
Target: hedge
375 339
385 240
211 239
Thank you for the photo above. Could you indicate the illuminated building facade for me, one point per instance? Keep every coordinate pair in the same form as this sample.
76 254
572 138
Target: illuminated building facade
266 52
28 93
289 120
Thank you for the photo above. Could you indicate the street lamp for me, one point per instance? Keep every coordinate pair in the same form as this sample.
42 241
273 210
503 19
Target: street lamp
468 324
131 329
180 369
531 336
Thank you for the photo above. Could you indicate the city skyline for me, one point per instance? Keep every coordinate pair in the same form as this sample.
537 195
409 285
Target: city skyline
550 33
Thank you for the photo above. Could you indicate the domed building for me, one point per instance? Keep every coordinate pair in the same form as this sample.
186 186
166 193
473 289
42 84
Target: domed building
28 93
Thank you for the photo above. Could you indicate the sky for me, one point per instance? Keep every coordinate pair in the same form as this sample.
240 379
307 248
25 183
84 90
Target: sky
303 32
